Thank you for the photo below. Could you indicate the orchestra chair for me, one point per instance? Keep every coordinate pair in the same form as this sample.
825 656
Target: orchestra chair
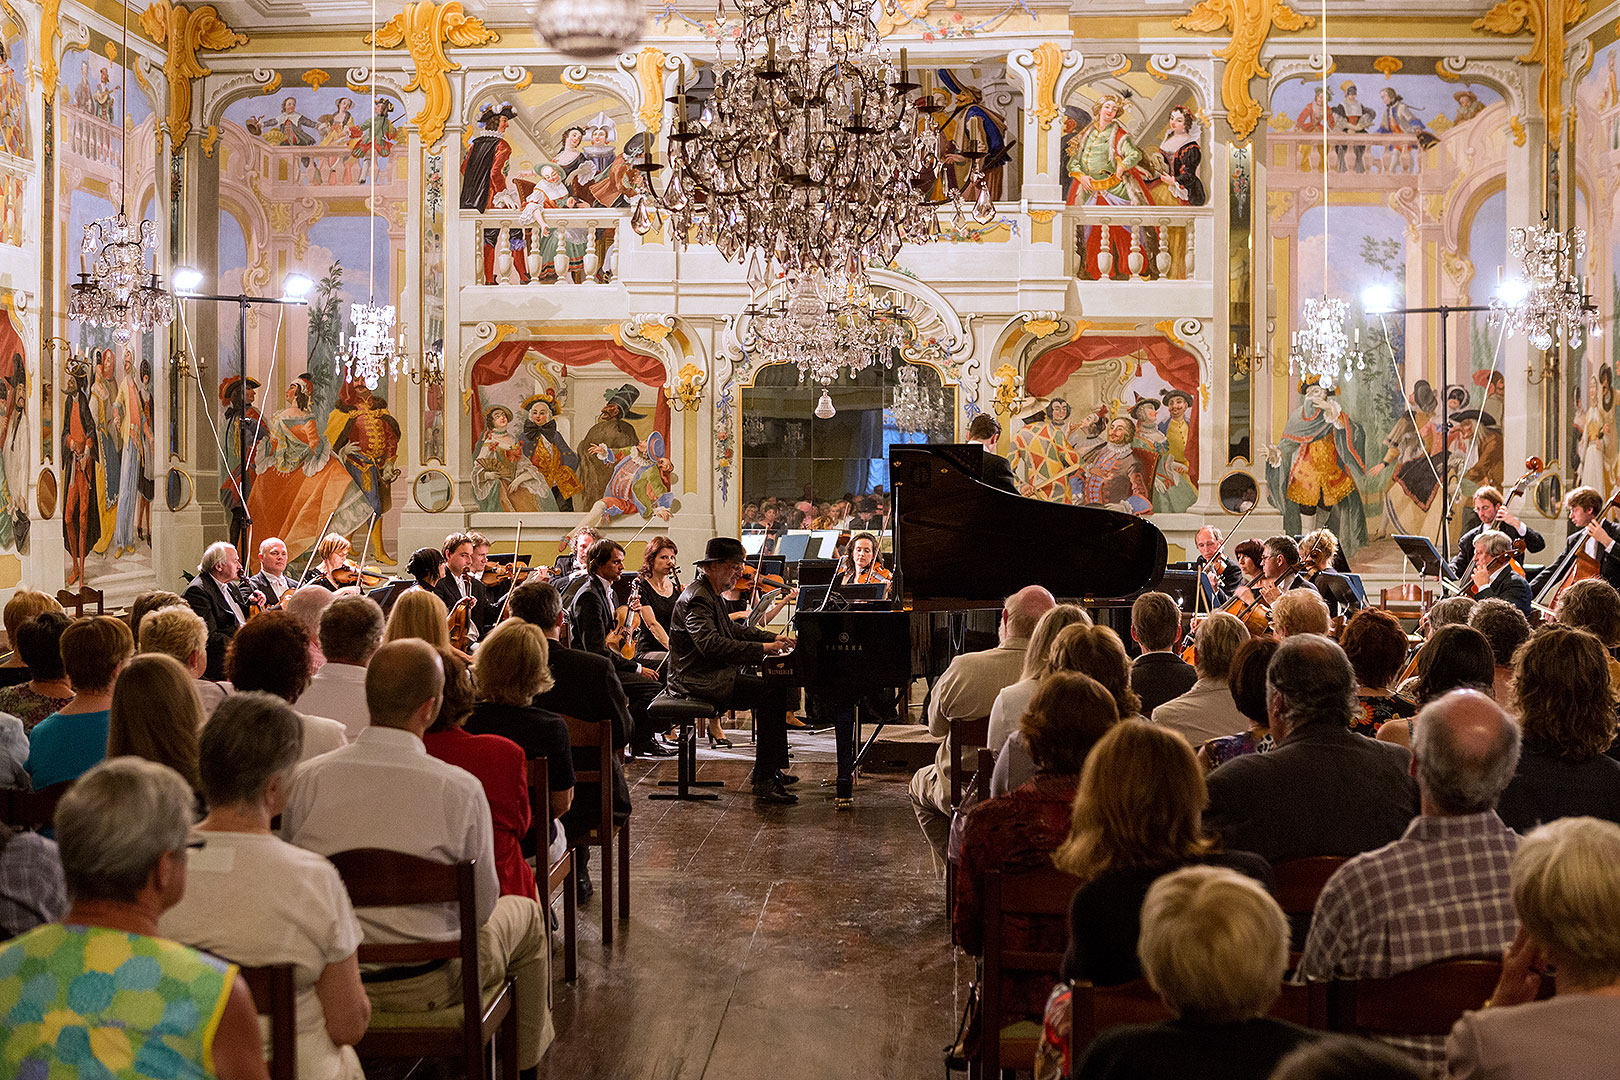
1038 893
378 878
670 710
965 735
558 875
78 601
1425 1001
1407 602
1296 885
32 809
599 736
274 996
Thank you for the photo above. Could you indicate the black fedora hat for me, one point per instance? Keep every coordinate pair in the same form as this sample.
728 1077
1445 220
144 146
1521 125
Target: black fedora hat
723 549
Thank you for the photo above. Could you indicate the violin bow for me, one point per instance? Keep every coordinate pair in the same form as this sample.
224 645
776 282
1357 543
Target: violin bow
309 562
506 605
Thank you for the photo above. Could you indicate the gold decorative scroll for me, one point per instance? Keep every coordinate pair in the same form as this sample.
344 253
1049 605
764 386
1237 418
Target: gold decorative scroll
1251 22
650 76
273 85
1048 62
425 28
50 28
1440 70
315 78
210 140
1167 327
186 32
1387 66
1547 20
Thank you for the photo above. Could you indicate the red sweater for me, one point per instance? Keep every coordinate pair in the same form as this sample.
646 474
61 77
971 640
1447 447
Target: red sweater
500 766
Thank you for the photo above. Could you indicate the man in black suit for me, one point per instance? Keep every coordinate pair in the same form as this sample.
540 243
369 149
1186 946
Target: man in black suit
1217 587
993 468
459 582
1158 674
1587 527
272 581
706 649
1493 574
586 688
593 622
215 595
1494 516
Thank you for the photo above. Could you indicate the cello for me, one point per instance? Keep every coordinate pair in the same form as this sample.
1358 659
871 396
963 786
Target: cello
1575 565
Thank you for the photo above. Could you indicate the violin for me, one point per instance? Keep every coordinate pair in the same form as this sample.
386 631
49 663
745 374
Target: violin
495 573
460 617
749 579
622 637
1533 468
368 577
254 603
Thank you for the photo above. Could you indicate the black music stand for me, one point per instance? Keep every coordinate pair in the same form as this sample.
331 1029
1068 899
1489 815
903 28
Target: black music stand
1343 593
1421 553
1182 587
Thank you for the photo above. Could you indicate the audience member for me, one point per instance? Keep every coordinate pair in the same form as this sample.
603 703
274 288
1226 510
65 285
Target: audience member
271 654
179 632
351 629
1441 890
214 595
966 691
1159 673
1012 701
1299 611
1207 711
1248 684
39 640
13 753
422 615
32 890
1214 946
107 995
155 715
148 602
354 798
25 604
1564 701
1376 646
1505 629
1323 790
1593 605
1451 611
307 604
1458 658
1343 1057
1135 819
1566 890
259 900
68 742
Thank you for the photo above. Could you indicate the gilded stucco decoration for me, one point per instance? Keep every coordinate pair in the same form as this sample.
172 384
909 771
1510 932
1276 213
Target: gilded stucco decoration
425 28
1251 22
1009 389
650 77
1547 20
50 28
1048 65
1387 65
686 393
186 32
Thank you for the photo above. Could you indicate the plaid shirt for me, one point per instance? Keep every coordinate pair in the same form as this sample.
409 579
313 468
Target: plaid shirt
31 887
1440 891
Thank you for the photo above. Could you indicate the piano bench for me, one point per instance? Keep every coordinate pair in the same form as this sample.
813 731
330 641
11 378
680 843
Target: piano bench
671 710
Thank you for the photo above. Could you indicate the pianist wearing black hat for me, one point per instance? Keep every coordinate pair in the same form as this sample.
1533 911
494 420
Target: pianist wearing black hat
707 650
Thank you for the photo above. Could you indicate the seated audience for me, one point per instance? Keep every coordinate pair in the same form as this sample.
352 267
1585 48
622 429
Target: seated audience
145 604
1299 611
966 691
1593 605
1159 673
1323 790
107 996
1452 611
1564 700
415 615
1441 890
1207 711
39 640
69 741
307 604
351 629
1459 658
1343 1057
13 753
24 605
155 715
1376 645
351 798
179 632
259 900
1011 702
1566 890
1136 818
1505 629
1214 946
31 887
271 654
1248 684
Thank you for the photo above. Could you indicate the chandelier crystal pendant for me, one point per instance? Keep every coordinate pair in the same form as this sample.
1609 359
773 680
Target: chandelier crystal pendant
372 353
825 326
1551 301
590 29
1320 346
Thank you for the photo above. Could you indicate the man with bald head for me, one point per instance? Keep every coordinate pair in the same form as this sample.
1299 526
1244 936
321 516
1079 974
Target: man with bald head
966 691
384 791
1442 889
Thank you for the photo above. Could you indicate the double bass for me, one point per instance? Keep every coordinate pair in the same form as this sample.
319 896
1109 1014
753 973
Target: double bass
1575 565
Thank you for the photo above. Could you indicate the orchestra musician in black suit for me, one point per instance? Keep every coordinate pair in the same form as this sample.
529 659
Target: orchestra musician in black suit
1493 516
217 596
1588 528
1219 576
459 582
592 617
272 580
1493 575
993 468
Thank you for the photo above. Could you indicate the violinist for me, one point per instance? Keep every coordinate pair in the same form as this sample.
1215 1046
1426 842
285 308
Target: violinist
330 556
1494 516
1316 553
571 573
1279 562
459 582
1595 536
653 600
493 592
864 566
426 565
1493 575
592 619
272 580
1220 575
217 596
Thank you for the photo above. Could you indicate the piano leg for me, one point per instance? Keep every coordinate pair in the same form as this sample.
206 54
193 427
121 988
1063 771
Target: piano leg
844 735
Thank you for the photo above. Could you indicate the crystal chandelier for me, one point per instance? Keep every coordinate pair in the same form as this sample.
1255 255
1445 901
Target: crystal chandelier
590 29
914 409
372 352
1320 347
824 329
1550 302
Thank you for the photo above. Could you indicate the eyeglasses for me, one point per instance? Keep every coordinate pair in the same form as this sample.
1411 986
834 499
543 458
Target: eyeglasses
196 845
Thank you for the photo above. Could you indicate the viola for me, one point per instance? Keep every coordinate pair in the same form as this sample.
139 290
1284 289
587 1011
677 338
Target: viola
750 578
495 573
368 577
460 617
622 637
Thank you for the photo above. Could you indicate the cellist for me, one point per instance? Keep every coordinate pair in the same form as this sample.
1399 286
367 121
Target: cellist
1493 516
1493 575
1597 537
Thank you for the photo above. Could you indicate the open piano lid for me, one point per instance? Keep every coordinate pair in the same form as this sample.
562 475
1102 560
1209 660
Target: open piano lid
960 543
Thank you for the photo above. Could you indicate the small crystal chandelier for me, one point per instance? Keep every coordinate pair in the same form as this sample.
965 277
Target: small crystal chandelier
1320 347
590 29
825 329
1550 301
914 409
372 353
753 431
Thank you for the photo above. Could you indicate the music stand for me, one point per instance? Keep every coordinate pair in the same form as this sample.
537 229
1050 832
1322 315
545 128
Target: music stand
1421 553
1341 590
387 593
793 547
1357 587
1182 587
862 594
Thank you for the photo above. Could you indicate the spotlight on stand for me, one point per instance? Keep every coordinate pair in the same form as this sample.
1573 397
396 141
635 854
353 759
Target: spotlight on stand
1378 299
296 287
187 279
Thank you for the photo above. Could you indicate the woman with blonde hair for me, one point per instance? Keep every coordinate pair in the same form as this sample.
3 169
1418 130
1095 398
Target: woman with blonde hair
156 715
330 554
419 613
1011 702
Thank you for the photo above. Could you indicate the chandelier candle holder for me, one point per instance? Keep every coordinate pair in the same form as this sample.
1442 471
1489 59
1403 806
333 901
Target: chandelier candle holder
1551 301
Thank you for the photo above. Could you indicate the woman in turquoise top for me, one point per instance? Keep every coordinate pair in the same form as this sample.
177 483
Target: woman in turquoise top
66 743
99 994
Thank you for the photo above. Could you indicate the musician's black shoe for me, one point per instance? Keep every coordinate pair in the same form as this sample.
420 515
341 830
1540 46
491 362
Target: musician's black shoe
582 879
772 791
786 779
654 749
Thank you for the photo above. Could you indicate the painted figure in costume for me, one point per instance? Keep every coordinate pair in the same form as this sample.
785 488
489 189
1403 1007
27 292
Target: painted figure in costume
545 448
550 193
14 451
1319 468
376 135
134 419
1469 106
1044 457
483 178
1411 497
1118 473
104 102
1355 118
599 150
1592 439
1107 170
83 94
1315 115
297 482
81 522
1400 118
1182 157
104 402
612 430
642 481
337 127
242 429
1175 488
570 152
971 124
13 111
502 477
365 437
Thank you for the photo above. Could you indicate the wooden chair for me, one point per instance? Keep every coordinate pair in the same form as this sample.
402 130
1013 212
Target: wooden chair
1094 1009
1408 601
78 601
1039 893
987 765
31 809
1426 1001
275 996
1298 882
377 878
965 735
587 735
559 875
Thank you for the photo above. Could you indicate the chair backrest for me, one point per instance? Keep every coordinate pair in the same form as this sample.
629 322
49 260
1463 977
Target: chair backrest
1036 893
275 996
1425 1001
585 734
1095 1009
965 735
78 601
32 809
540 800
1406 597
1298 882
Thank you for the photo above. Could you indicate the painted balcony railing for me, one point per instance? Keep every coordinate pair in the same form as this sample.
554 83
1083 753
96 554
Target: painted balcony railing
90 137
575 247
1139 243
1371 156
325 166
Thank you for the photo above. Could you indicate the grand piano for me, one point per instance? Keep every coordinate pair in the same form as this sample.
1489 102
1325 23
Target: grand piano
959 545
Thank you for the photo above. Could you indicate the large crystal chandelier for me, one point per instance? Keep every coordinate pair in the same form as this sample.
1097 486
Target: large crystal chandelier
372 353
1320 346
825 326
1550 301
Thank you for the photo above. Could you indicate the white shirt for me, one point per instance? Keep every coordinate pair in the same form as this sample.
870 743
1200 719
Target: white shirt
257 900
385 791
1009 709
277 582
230 598
338 690
321 736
